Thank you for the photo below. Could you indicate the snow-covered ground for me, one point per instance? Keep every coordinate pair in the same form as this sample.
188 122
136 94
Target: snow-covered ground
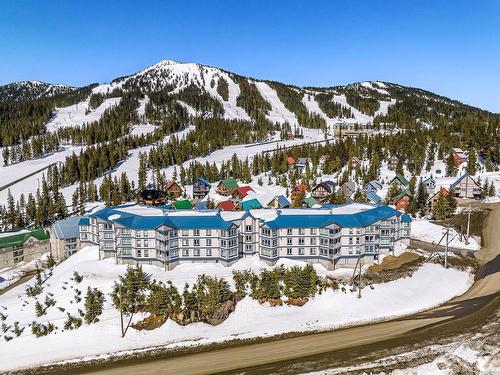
251 319
78 114
424 230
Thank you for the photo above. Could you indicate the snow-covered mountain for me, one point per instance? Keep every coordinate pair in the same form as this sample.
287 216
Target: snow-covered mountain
30 90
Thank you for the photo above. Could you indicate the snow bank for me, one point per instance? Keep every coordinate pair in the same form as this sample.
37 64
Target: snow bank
431 285
424 230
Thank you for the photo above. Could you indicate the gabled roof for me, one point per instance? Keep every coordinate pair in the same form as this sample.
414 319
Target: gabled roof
149 194
182 204
282 201
351 185
226 205
201 205
401 179
453 185
303 161
430 179
243 190
377 185
67 228
204 181
250 204
373 197
171 184
230 183
300 187
329 186
18 238
402 194
442 190
310 201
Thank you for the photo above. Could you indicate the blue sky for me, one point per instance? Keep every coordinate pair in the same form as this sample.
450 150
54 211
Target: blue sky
449 47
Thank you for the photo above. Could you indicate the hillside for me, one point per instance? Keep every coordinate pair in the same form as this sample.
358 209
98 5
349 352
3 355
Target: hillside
183 120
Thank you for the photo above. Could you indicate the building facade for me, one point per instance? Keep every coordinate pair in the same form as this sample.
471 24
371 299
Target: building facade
65 237
24 245
332 237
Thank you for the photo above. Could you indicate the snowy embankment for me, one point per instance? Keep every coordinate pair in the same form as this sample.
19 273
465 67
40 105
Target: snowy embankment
423 230
332 309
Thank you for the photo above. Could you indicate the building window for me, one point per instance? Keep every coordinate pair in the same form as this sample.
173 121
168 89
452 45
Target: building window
289 231
196 232
185 252
196 252
138 253
185 232
301 251
301 241
313 231
145 243
302 231
146 253
248 228
312 251
209 232
185 242
313 241
146 233
209 252
288 241
196 242
248 238
289 251
209 242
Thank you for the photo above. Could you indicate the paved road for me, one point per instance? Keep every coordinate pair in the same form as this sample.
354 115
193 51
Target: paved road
485 290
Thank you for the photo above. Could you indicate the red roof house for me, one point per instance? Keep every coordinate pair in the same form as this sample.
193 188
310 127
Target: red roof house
226 206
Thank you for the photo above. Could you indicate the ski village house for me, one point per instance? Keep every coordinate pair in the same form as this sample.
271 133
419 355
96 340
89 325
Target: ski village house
201 188
330 236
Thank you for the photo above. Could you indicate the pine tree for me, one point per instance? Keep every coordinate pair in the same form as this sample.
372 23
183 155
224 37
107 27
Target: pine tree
472 162
441 208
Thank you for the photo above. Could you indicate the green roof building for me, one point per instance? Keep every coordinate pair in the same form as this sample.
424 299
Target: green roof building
24 245
182 204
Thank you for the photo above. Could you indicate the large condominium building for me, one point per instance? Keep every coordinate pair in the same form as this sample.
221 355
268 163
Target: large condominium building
332 237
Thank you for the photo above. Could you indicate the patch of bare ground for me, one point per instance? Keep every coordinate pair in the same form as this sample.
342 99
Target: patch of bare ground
393 268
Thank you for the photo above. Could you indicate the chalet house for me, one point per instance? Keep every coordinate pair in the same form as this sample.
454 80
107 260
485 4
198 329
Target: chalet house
202 205
348 188
402 200
297 190
322 190
324 158
302 163
201 188
465 187
430 185
182 204
279 201
355 162
459 156
309 202
251 204
373 197
433 199
152 197
241 193
174 190
226 206
373 186
227 187
24 245
392 163
400 180
65 237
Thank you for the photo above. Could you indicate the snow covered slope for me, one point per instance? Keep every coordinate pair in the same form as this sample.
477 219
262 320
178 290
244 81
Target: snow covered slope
29 90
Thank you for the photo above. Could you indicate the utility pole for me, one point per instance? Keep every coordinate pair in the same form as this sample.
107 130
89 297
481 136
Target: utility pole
446 251
468 225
